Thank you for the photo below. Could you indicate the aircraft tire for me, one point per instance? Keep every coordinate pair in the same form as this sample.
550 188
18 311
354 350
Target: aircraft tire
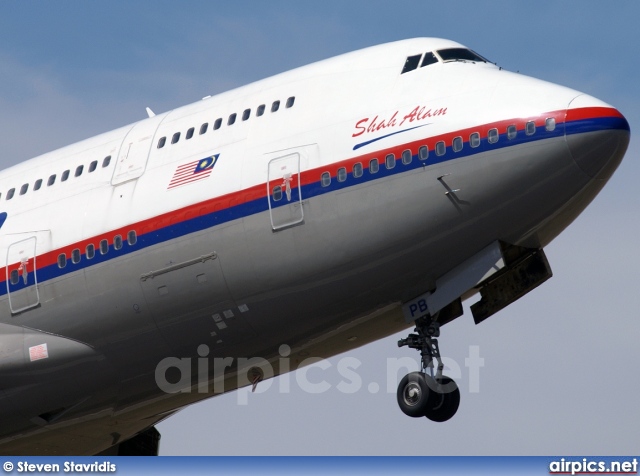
413 395
444 401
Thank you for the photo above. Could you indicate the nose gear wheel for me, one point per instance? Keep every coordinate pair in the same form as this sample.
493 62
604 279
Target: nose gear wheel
424 393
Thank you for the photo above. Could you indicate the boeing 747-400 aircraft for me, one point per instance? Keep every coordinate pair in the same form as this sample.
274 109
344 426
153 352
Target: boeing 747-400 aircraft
321 209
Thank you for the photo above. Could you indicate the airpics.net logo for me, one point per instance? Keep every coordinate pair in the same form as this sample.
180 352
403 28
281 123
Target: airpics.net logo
587 466
314 375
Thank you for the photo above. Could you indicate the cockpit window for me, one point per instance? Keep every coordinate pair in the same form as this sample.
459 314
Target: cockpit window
429 58
411 63
460 54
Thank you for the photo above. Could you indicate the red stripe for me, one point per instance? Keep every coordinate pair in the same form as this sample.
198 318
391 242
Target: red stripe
591 113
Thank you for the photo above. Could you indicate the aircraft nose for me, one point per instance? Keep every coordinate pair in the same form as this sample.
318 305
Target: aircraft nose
597 135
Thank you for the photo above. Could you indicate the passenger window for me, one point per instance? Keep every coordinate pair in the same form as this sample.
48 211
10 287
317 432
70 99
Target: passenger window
423 152
326 179
37 185
132 238
290 102
429 58
104 247
457 144
390 161
11 193
357 170
217 124
474 139
440 148
204 127
75 256
189 133
79 170
550 124
260 110
161 142
246 114
492 136
24 189
232 119
374 166
65 176
15 276
90 251
51 181
175 138
117 242
106 161
512 132
93 166
62 260
411 63
277 193
342 174
407 157
530 128
275 106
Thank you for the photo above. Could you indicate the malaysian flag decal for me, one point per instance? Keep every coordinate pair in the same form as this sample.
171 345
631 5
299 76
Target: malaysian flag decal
193 171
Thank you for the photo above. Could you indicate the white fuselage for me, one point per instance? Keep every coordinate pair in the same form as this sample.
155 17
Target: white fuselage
271 214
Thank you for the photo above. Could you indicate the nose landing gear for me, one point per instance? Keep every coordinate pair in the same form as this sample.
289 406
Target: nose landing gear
420 394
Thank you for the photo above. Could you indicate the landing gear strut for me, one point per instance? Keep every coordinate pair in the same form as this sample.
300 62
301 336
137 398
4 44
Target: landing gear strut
427 393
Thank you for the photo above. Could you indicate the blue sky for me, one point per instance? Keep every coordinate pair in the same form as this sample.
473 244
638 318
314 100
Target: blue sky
559 374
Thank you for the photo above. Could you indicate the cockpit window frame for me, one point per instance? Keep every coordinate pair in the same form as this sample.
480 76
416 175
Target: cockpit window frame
457 54
428 59
412 62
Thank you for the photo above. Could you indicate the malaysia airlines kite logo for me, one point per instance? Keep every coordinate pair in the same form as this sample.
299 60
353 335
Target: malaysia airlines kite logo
193 171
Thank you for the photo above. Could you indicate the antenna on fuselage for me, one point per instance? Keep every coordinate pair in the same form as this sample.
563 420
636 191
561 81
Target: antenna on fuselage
150 113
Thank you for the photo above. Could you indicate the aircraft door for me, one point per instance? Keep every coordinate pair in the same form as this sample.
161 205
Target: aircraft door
134 151
284 192
21 278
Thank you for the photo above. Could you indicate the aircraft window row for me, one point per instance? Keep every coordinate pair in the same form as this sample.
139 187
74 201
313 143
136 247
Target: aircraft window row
103 249
231 120
457 144
37 185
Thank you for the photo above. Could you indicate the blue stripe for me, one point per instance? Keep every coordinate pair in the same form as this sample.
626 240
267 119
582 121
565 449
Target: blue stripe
597 124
